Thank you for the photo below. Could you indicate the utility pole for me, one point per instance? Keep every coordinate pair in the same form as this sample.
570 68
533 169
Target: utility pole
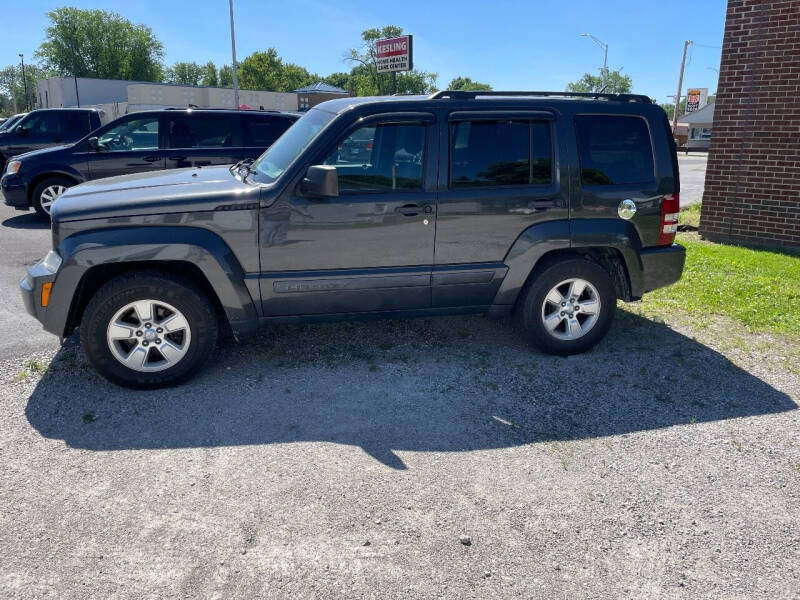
686 45
235 66
75 74
604 46
24 82
14 92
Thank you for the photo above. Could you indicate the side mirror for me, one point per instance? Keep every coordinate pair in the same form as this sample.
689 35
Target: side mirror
94 145
321 181
21 131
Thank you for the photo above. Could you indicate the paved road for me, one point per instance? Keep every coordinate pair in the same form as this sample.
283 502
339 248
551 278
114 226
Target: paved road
693 177
24 240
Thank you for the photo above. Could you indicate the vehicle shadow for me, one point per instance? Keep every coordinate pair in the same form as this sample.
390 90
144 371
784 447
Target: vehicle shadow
442 385
28 220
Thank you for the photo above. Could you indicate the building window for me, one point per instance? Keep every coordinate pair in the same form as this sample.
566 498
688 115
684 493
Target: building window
700 133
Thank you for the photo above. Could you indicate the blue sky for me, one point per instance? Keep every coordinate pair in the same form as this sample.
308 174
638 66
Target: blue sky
511 45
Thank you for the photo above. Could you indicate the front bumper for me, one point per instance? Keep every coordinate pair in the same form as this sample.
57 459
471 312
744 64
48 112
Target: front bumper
662 266
31 287
15 192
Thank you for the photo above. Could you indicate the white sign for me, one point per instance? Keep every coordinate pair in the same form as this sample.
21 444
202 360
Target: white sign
696 98
394 54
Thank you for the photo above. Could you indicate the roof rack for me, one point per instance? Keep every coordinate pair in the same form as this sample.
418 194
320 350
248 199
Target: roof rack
470 95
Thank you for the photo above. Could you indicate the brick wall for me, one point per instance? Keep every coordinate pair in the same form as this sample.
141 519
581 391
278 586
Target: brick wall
752 191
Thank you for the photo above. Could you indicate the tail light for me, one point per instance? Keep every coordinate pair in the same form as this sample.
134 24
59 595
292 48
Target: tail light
369 146
670 207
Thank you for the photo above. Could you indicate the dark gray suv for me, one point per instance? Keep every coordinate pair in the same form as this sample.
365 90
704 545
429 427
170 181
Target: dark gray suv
549 206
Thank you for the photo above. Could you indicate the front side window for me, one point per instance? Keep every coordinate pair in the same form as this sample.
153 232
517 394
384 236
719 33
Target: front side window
44 124
133 134
500 153
200 131
380 158
614 149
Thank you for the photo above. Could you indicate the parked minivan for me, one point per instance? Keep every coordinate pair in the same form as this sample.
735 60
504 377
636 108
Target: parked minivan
142 142
47 127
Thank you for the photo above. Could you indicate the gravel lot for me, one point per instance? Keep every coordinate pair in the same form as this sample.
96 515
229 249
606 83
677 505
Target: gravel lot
348 460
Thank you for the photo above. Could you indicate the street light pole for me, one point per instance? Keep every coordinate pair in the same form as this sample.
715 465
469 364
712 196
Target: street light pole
235 66
604 46
24 81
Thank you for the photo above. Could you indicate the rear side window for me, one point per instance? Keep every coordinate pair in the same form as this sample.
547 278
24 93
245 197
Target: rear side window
201 131
614 149
262 132
75 124
500 153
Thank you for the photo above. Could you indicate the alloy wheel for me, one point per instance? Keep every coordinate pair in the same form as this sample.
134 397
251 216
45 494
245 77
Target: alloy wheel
148 335
571 309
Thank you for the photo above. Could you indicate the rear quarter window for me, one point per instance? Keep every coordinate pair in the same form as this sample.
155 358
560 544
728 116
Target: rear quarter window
262 132
614 149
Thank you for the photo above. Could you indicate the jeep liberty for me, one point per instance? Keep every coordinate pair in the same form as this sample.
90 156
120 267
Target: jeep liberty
546 205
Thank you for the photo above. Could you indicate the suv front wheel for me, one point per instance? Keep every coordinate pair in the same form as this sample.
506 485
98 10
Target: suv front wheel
148 330
569 306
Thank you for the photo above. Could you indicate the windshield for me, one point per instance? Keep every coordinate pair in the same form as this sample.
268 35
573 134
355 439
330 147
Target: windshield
9 123
277 158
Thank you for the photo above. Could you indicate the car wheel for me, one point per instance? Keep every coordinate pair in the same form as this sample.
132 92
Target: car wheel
148 330
47 191
568 306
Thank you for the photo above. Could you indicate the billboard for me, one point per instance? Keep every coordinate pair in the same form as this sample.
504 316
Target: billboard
394 54
696 98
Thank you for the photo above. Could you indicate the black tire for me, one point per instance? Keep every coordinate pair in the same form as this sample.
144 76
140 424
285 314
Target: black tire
543 281
36 196
174 290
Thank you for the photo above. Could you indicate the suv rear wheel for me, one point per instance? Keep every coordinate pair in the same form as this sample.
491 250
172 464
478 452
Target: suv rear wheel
47 191
148 330
568 307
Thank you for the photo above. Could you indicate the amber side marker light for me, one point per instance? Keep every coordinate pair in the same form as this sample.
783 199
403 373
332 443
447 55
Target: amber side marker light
46 288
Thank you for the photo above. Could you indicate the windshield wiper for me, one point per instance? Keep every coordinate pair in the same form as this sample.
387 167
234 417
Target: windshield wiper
244 164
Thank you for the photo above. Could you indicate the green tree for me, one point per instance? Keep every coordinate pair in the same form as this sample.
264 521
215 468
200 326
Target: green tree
365 79
13 88
210 76
226 76
99 43
261 71
267 71
294 76
6 106
416 82
185 73
617 83
340 80
465 83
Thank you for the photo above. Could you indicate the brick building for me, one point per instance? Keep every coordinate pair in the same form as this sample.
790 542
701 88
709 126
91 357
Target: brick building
752 191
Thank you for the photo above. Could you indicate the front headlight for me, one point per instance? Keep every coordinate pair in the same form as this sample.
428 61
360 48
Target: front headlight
13 166
52 261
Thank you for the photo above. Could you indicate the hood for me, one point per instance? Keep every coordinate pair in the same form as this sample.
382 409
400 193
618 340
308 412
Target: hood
42 152
162 192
